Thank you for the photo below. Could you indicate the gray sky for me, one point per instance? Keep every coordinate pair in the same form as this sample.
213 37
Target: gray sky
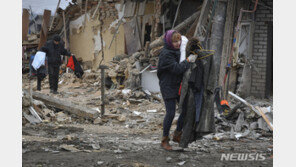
38 6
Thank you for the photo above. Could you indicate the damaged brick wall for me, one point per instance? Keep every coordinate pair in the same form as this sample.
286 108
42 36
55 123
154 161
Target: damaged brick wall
263 15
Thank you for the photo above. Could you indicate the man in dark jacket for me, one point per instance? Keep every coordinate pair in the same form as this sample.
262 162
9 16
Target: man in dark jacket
170 75
54 49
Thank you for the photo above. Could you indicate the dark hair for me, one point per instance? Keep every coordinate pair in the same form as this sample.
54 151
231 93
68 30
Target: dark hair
57 38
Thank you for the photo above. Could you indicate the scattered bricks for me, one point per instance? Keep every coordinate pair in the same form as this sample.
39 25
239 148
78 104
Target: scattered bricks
263 27
262 65
269 15
260 23
260 15
265 11
258 38
263 35
257 54
258 46
259 31
262 50
262 43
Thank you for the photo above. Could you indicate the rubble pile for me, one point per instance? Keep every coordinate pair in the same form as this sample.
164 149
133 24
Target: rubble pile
242 122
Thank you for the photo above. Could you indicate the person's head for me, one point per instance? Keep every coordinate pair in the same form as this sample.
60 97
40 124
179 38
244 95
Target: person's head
56 39
176 40
173 39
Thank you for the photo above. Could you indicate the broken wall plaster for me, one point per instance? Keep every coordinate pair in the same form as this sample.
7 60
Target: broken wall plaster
86 45
98 42
76 26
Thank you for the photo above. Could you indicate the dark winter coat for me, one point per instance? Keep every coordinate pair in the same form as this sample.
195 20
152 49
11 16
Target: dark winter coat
54 52
191 130
170 72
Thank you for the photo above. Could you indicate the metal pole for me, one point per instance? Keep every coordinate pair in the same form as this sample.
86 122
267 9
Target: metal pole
103 67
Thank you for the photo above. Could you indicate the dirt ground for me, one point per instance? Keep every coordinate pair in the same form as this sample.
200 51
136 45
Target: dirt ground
129 136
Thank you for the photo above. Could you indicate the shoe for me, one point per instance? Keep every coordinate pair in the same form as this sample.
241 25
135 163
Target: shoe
177 136
165 143
55 92
51 91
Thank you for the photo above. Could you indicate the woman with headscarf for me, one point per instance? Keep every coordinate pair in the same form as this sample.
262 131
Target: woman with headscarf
170 73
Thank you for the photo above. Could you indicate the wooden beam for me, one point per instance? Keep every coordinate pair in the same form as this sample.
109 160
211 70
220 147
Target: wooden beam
227 39
54 15
44 29
177 12
25 24
65 38
202 18
185 23
257 110
96 9
85 12
67 106
265 118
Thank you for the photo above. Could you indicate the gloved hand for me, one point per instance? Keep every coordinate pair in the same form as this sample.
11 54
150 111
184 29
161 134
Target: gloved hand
192 58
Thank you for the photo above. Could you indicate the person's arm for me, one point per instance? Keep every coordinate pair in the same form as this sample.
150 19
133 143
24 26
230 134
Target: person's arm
64 51
173 66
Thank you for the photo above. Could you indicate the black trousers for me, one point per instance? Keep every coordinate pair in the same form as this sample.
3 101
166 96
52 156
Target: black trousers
41 74
53 72
170 106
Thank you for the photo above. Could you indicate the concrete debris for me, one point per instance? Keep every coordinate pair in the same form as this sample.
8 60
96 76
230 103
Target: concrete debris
168 159
133 115
181 163
151 111
98 121
239 122
100 162
62 117
95 146
70 148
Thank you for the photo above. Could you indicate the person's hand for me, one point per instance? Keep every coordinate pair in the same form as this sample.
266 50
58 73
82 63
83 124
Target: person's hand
72 54
192 58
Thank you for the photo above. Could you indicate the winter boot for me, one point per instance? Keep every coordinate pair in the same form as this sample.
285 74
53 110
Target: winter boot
165 143
177 136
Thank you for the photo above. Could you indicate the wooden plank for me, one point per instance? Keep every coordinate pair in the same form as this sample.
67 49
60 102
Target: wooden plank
177 12
85 12
199 31
44 29
96 9
257 109
129 8
227 39
54 15
265 118
159 42
25 24
191 30
65 39
66 106
132 39
142 6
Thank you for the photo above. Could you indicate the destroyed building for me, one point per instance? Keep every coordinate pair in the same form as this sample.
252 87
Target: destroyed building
126 37
123 28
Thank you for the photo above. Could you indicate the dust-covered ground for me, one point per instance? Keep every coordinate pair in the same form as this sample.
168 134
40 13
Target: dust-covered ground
129 134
